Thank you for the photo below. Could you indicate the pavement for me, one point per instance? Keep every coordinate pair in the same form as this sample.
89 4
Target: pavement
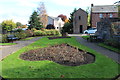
7 50
113 55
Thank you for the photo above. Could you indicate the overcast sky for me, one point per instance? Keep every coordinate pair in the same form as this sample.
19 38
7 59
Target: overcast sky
20 10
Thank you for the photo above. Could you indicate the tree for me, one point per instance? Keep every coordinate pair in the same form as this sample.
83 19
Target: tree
118 5
119 11
88 11
34 21
68 27
18 24
63 17
8 25
42 14
71 16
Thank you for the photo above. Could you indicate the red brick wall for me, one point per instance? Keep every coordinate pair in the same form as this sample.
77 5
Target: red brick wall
95 17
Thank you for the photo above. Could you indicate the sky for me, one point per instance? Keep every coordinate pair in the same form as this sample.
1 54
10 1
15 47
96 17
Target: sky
20 10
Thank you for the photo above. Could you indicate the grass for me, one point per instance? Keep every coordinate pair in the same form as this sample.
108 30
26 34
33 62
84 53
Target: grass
5 44
109 47
14 67
29 38
85 37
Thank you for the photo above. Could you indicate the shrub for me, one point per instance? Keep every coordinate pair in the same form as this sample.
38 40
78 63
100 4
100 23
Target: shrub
29 33
33 29
21 35
3 38
112 42
37 33
46 33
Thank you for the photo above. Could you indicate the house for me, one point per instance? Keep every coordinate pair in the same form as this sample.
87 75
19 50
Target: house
56 21
102 11
79 21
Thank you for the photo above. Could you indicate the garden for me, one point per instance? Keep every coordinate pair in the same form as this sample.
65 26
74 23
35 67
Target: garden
49 58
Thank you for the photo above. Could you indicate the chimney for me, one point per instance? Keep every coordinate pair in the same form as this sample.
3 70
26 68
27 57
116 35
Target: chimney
92 5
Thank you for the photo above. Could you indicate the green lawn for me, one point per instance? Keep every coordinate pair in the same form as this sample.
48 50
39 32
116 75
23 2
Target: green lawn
109 47
14 67
85 37
7 43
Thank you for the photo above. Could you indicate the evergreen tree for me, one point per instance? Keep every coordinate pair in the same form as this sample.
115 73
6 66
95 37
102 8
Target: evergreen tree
35 21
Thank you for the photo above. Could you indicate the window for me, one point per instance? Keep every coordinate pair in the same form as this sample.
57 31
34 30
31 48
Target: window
79 17
101 15
111 15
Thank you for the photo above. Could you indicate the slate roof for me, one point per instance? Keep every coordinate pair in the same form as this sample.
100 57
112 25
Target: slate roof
104 9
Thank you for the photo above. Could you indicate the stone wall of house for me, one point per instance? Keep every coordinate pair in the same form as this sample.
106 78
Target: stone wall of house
79 20
105 28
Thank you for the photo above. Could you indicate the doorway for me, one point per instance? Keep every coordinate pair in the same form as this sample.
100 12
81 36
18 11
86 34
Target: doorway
81 29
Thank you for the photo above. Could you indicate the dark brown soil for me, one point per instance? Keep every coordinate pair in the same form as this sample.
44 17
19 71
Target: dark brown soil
58 37
63 54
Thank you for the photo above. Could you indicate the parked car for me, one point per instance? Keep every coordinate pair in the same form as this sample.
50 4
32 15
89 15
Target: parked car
90 31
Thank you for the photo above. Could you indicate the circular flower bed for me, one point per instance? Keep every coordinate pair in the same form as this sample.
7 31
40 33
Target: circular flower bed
63 54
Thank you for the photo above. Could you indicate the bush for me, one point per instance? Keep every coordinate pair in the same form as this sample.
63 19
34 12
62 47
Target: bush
29 33
21 35
47 33
3 38
112 42
37 33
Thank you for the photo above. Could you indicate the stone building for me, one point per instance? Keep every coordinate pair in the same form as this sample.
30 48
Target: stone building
79 21
102 11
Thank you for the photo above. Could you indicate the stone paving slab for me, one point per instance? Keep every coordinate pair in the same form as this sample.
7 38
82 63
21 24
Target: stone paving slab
5 51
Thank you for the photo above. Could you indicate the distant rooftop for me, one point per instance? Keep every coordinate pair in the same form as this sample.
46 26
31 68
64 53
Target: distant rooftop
104 8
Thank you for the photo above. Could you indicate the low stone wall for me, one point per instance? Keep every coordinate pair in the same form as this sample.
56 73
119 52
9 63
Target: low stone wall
105 28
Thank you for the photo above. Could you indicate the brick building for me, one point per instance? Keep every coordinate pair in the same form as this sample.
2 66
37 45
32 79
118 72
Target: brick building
79 21
103 11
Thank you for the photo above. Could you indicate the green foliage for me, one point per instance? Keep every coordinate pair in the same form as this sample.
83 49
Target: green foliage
112 42
18 30
68 27
38 33
109 47
47 33
35 21
3 38
118 10
29 33
71 16
21 35
14 67
18 24
8 25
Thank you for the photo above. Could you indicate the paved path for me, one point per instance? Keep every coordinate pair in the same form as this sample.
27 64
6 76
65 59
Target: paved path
113 55
6 50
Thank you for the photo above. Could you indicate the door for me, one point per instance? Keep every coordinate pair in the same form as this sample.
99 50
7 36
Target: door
81 29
